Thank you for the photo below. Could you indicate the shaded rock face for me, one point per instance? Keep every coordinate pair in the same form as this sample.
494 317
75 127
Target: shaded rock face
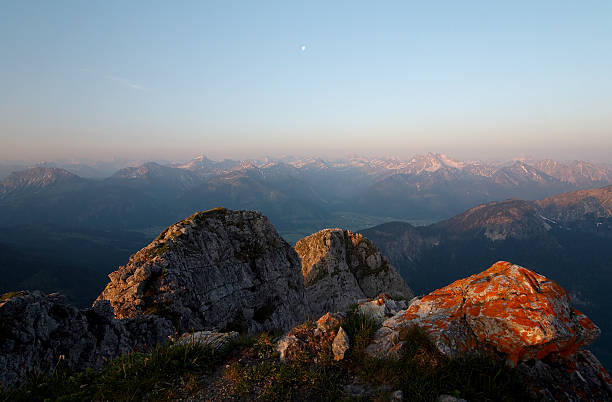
578 378
341 267
506 309
40 333
217 269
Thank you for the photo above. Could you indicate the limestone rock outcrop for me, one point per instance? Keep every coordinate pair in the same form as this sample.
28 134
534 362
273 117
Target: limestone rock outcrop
341 267
506 309
311 341
381 308
41 333
341 344
513 312
215 270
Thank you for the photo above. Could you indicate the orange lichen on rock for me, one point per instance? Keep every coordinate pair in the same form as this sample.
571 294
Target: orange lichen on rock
507 309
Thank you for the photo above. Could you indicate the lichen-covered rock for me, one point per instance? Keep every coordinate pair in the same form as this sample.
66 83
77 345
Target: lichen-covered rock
510 311
340 344
40 333
340 267
216 270
506 309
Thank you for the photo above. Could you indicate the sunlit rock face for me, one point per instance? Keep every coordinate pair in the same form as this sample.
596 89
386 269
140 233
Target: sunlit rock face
340 267
219 269
506 309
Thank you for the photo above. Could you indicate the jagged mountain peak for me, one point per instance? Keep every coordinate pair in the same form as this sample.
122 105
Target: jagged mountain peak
148 169
198 162
432 162
522 172
36 178
154 174
202 163
42 172
201 158
576 172
309 162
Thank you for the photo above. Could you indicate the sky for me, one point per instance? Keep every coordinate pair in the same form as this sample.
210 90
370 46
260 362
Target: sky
238 79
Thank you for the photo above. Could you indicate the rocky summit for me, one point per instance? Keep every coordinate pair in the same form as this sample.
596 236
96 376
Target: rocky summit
340 267
218 269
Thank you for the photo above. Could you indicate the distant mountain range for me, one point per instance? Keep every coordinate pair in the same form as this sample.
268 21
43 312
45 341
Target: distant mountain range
93 169
49 216
566 236
302 196
297 194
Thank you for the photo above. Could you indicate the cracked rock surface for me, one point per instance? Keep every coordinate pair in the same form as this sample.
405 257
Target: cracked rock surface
215 270
40 333
340 267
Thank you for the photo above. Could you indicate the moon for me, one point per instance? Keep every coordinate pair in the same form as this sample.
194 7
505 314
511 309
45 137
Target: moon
303 47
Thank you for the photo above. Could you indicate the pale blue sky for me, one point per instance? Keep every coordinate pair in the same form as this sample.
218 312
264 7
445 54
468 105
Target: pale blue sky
227 78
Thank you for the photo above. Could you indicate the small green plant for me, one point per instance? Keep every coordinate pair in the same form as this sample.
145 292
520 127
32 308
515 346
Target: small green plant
360 329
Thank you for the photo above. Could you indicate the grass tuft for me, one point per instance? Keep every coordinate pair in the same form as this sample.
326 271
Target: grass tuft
423 373
360 329
161 374
265 378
